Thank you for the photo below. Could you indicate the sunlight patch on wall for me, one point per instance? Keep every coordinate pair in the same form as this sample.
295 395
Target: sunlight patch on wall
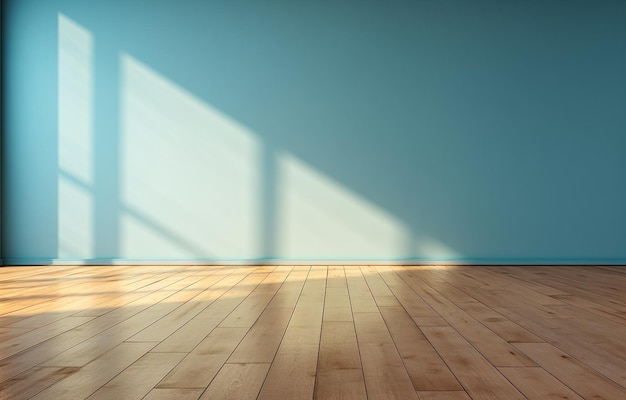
319 218
151 239
75 140
75 219
431 248
191 172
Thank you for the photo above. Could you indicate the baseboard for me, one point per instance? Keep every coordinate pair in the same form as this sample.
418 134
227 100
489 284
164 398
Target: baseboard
18 261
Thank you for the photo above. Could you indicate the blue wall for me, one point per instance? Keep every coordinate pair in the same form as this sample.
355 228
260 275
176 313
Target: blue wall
479 131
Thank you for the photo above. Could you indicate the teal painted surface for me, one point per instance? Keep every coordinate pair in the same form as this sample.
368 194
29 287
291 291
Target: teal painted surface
442 130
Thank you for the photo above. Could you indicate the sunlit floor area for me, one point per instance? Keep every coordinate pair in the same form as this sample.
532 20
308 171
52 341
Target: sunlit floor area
300 332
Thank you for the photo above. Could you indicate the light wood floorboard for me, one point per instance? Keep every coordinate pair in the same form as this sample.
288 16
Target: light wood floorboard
313 332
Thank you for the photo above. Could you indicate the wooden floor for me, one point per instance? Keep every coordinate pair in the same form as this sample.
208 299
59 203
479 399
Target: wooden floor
384 332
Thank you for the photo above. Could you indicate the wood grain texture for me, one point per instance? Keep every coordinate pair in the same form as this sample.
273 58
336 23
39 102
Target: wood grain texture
537 384
176 394
582 379
292 374
339 373
237 382
479 378
312 332
88 379
384 371
139 378
425 367
443 395
201 365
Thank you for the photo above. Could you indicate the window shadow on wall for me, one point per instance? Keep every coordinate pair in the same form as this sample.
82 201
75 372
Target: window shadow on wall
184 181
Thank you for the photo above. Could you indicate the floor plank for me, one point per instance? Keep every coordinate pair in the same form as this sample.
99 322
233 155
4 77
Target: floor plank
177 394
237 382
339 373
292 374
479 378
33 381
84 382
572 372
443 395
201 365
425 367
139 378
385 374
536 384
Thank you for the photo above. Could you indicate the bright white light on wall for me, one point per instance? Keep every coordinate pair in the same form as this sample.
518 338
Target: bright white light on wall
189 174
431 248
75 140
320 218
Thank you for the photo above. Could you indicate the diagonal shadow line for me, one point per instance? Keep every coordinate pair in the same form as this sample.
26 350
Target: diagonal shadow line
163 231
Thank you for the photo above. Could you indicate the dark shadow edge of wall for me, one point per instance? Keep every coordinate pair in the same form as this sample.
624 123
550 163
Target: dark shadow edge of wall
2 25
